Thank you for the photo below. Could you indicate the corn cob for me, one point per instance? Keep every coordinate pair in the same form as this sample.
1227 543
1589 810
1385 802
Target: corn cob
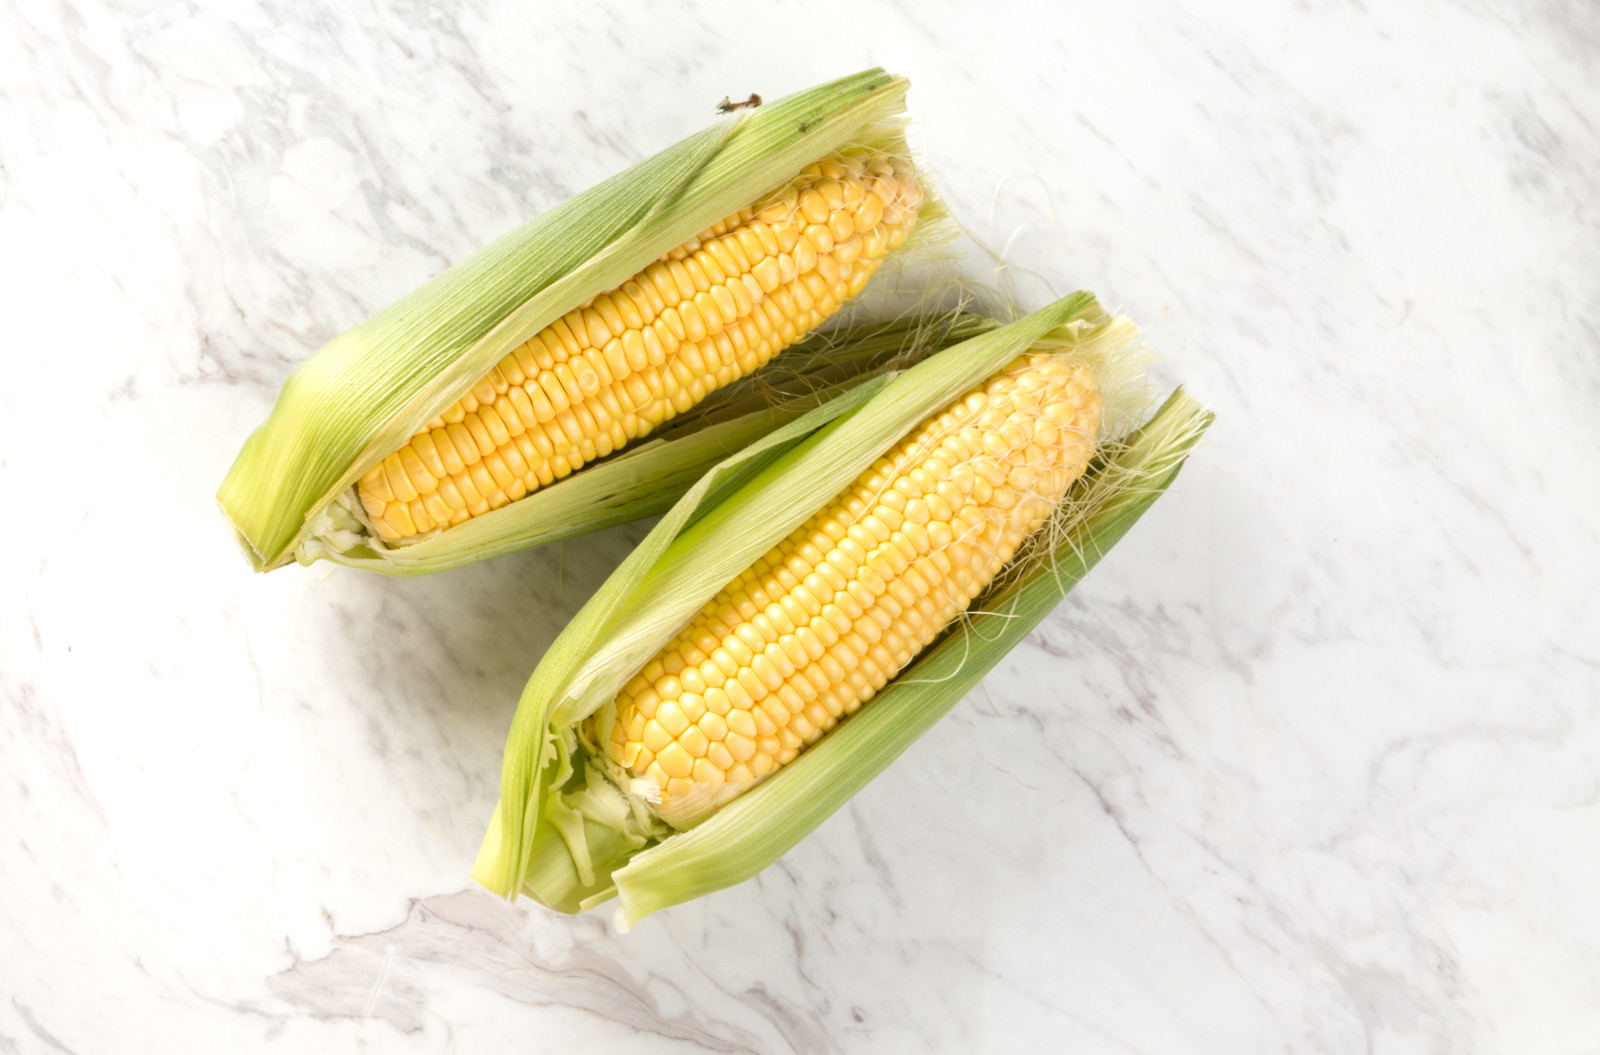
819 624
872 521
471 404
705 314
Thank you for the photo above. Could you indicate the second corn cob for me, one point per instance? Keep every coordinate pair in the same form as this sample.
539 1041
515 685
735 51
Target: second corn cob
589 806
820 623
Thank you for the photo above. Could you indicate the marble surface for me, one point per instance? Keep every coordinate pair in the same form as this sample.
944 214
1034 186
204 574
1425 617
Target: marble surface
1309 764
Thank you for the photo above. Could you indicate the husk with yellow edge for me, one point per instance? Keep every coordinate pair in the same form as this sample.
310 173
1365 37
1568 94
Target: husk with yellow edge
569 835
288 494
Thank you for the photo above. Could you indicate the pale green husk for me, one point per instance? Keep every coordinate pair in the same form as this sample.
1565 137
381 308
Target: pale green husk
365 392
568 835
649 476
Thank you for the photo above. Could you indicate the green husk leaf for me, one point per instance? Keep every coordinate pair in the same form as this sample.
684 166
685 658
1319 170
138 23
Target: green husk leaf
648 477
548 785
757 828
366 391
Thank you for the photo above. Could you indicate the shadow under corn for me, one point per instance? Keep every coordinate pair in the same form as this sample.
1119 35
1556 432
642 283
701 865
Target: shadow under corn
432 667
489 623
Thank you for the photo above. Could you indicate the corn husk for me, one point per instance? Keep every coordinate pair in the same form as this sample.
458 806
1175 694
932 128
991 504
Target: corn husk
647 477
289 493
568 836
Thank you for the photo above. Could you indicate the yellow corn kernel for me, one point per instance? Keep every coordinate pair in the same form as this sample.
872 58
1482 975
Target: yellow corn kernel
712 310
828 616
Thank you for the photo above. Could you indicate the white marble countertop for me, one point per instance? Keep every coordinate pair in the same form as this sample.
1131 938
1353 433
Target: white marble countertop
1311 763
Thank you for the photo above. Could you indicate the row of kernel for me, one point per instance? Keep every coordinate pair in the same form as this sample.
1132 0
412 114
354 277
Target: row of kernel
791 714
576 338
